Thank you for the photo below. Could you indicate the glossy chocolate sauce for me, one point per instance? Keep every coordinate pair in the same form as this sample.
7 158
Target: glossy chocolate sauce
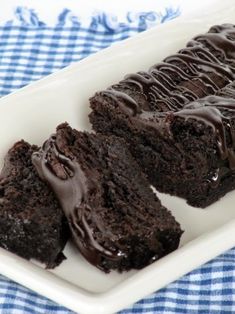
127 103
198 69
71 186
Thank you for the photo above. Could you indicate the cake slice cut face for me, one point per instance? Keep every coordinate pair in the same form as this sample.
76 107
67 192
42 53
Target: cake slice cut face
116 220
32 223
196 149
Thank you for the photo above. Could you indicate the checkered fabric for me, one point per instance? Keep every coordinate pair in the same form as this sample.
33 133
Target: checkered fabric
29 50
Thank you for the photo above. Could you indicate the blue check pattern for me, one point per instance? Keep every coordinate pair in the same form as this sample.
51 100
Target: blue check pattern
30 50
209 289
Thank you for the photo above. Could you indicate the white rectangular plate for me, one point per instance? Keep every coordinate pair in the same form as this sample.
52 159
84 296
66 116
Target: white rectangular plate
33 113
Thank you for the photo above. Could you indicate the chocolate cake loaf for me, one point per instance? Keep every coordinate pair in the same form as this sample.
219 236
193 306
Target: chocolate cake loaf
32 223
116 220
179 152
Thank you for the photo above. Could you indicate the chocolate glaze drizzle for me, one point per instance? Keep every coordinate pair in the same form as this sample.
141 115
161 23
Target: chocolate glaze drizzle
130 106
224 42
202 68
71 189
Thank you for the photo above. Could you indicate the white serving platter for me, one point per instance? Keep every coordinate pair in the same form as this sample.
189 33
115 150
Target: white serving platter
33 112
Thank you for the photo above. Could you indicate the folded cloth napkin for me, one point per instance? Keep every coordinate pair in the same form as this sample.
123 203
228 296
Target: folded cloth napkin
30 48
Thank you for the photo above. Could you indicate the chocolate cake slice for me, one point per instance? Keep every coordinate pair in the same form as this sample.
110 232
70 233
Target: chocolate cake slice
32 223
180 155
116 220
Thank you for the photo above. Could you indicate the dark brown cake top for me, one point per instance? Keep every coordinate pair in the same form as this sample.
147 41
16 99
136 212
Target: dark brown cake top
222 38
194 72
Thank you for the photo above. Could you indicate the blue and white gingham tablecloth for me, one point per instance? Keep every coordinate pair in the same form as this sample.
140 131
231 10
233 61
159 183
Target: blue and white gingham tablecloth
29 50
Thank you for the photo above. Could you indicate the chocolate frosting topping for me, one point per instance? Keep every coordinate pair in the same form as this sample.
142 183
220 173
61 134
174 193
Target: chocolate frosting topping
221 37
196 63
71 186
